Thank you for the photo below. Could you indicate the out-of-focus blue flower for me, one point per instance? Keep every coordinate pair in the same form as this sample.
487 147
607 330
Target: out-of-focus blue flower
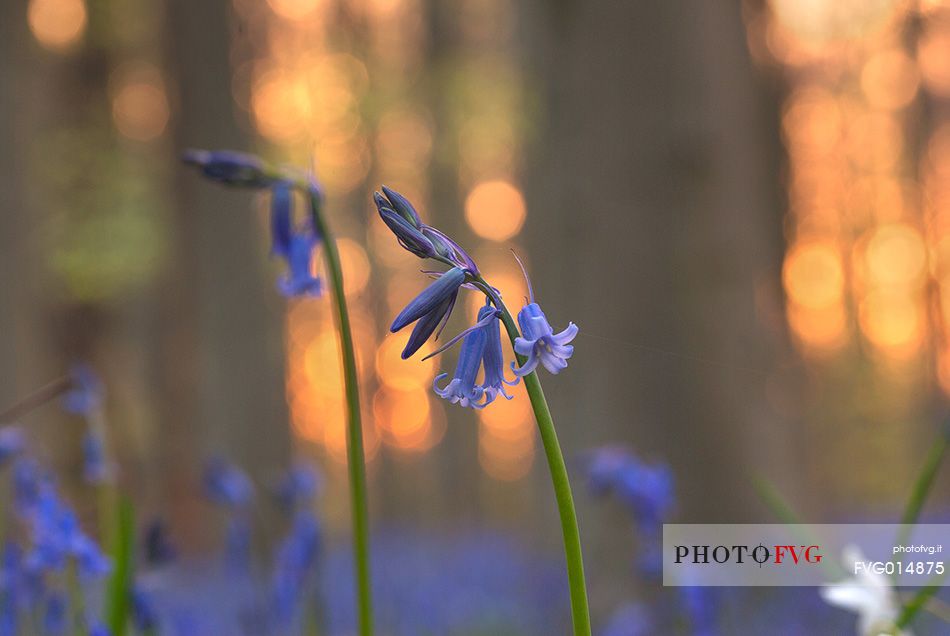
230 167
700 604
11 589
237 551
98 629
298 487
295 246
646 488
422 240
92 564
57 537
282 228
430 308
144 613
12 443
299 279
54 615
226 485
633 619
461 388
294 565
540 344
96 468
158 548
26 485
86 394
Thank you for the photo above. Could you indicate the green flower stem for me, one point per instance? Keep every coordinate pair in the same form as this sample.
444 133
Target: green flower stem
924 483
354 439
559 478
915 505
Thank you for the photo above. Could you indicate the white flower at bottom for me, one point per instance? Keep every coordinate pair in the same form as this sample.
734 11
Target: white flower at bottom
867 594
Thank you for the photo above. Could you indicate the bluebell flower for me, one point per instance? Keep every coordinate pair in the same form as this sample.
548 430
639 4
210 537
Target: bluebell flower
538 342
57 537
158 547
294 564
237 544
98 629
92 563
231 168
430 308
633 619
96 468
12 443
227 485
646 488
144 613
298 487
299 279
415 236
408 234
493 359
701 608
26 485
54 615
282 228
86 394
461 388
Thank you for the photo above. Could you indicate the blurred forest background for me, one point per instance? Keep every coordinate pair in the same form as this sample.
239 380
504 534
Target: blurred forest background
744 206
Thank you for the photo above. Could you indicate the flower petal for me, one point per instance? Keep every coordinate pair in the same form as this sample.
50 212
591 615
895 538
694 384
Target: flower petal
530 364
430 298
565 336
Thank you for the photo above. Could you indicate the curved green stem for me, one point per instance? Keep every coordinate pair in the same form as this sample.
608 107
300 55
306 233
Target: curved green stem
354 437
580 611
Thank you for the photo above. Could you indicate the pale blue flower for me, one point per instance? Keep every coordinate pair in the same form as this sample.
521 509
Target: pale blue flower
461 388
493 362
538 342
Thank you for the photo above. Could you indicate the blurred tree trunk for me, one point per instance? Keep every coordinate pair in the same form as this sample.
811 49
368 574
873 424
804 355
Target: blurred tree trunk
19 351
223 368
655 225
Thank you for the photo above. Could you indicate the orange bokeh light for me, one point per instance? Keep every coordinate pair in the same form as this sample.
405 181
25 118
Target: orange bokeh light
893 322
140 108
402 374
57 24
895 256
297 9
890 79
933 54
405 418
495 210
823 329
813 274
355 264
